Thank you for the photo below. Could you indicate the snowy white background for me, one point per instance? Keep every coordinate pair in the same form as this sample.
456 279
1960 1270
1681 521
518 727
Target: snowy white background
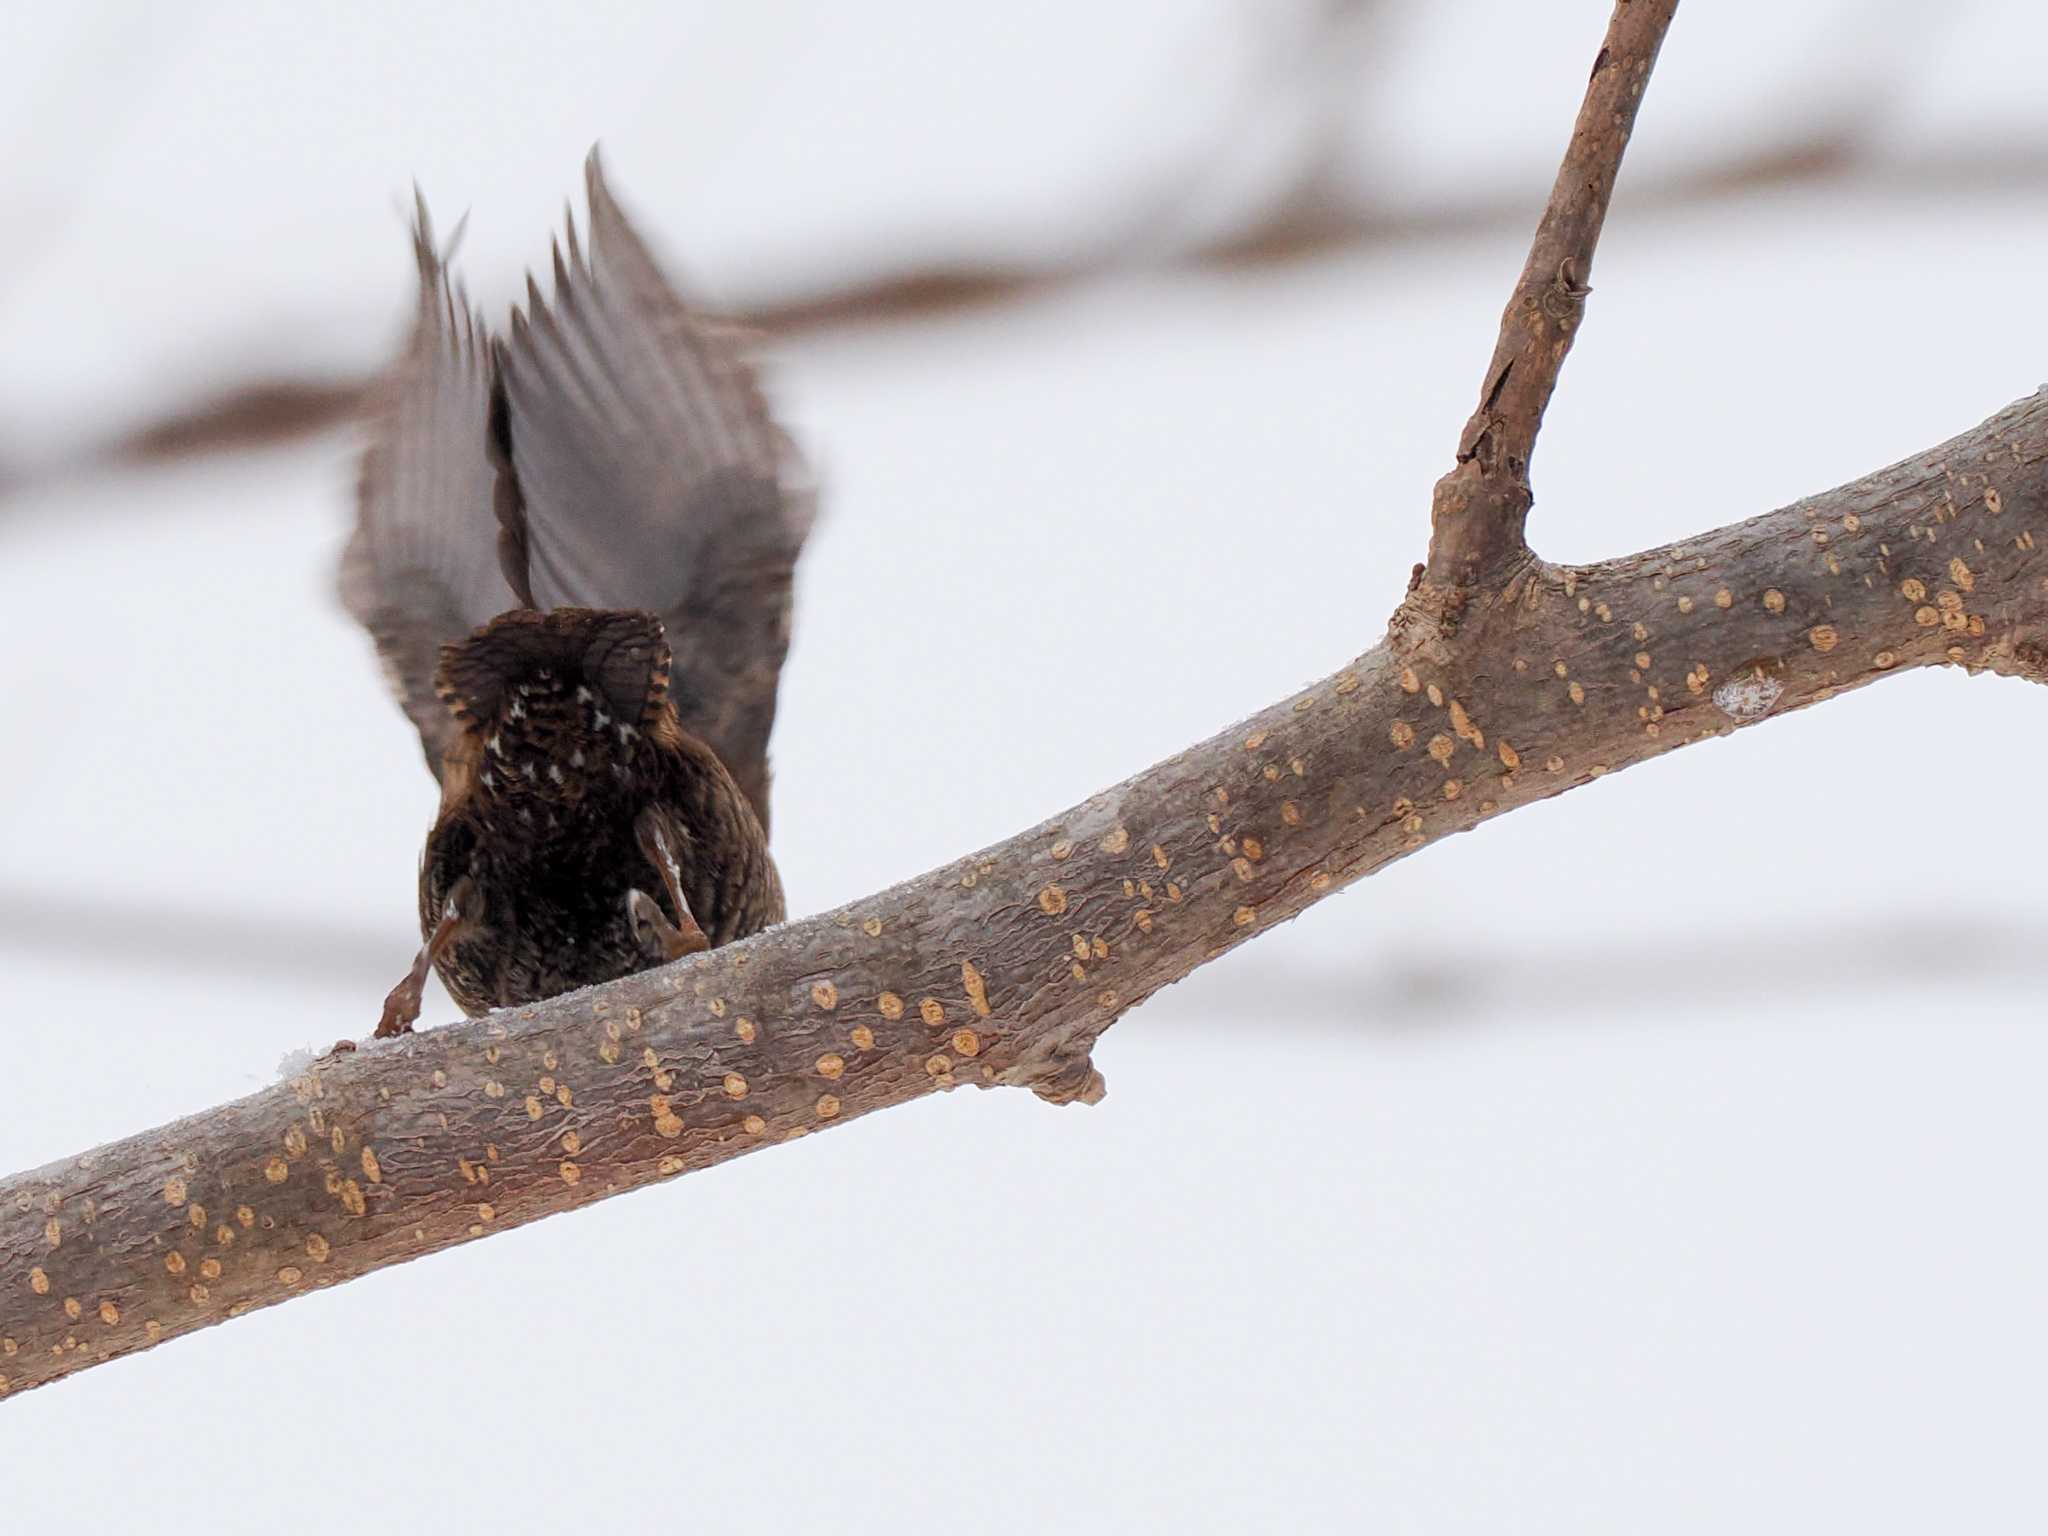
1664 1158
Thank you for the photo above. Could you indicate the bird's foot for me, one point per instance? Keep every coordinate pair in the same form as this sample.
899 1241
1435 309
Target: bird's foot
402 1004
661 940
401 1008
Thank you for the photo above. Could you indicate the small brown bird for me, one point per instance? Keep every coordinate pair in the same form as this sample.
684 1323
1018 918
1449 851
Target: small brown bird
574 549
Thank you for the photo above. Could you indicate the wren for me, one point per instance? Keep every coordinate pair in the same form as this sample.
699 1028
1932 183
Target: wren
575 549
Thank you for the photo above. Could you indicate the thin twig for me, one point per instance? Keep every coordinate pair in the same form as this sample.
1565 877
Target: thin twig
1480 507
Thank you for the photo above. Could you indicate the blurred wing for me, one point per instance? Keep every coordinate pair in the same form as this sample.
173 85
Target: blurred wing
654 477
422 567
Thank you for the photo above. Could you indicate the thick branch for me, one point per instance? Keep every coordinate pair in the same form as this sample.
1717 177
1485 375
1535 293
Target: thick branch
1481 505
1003 968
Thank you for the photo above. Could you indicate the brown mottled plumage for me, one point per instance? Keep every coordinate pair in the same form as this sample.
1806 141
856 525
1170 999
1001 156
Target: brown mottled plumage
574 550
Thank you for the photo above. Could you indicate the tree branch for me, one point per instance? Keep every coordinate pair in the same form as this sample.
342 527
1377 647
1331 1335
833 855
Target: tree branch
1005 967
1479 508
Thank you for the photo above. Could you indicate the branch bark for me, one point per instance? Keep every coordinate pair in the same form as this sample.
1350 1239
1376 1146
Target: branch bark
1479 508
1004 968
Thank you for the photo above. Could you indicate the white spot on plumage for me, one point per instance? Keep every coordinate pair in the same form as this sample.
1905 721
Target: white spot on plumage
576 758
603 719
555 772
526 772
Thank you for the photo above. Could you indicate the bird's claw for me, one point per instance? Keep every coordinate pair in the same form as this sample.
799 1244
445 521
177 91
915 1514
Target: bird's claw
659 938
401 1008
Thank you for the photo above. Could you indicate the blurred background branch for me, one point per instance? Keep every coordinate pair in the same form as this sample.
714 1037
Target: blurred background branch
1279 168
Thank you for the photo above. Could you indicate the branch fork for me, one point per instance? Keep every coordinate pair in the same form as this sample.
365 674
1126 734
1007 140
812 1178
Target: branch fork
1502 681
